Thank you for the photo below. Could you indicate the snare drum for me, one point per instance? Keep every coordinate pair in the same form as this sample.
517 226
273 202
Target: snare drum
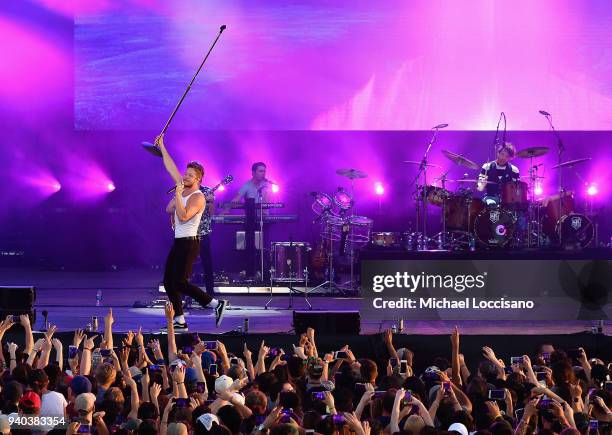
494 227
322 203
289 260
385 239
359 229
514 195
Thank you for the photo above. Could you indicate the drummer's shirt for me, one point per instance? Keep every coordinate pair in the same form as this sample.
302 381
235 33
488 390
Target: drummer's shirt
491 171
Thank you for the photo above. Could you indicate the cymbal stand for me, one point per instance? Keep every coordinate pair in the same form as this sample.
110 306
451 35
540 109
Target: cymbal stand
533 211
332 287
442 239
350 284
561 149
423 171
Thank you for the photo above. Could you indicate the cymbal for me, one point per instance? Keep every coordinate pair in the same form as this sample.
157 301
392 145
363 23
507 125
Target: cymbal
472 180
429 165
351 173
459 159
571 163
532 152
152 148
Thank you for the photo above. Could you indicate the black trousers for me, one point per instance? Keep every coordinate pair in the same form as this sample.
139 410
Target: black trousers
207 266
176 275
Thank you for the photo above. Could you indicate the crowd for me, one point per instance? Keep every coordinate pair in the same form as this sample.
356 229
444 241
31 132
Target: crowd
199 387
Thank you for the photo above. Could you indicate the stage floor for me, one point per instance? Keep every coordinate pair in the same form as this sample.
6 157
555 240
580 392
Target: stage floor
70 299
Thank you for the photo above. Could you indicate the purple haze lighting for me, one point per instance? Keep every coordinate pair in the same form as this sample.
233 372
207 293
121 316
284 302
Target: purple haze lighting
592 189
110 186
275 188
221 188
379 188
57 187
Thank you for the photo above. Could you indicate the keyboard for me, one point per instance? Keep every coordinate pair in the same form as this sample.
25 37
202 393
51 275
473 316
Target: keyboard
241 205
241 219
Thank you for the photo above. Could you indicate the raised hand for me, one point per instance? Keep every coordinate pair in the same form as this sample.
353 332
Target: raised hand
6 324
90 342
127 341
455 337
79 335
24 320
488 353
139 337
57 345
178 375
108 319
247 353
263 350
169 311
155 390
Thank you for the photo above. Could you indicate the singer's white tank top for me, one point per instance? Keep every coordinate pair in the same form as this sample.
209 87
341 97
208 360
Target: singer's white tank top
188 228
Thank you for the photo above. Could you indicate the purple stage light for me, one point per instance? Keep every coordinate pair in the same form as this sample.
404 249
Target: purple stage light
379 188
56 186
221 188
110 186
275 188
592 189
538 190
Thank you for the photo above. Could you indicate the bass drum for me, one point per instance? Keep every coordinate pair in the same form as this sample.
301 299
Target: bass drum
494 227
576 230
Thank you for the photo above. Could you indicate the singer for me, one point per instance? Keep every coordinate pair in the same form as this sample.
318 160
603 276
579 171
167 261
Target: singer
187 207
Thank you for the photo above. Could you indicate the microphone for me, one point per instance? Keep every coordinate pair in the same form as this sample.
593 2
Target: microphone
222 28
544 112
172 189
440 126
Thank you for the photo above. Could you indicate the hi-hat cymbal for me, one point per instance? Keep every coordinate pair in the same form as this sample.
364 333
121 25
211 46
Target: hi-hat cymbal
351 173
429 165
532 152
571 163
459 159
152 148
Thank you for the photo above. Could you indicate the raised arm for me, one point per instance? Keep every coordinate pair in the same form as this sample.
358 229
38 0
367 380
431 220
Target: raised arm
29 337
456 375
171 338
108 329
168 161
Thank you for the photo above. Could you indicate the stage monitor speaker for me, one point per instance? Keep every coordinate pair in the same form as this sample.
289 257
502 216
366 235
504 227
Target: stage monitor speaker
18 300
327 322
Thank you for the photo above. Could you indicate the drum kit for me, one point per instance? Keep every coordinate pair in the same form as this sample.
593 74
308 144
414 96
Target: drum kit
518 220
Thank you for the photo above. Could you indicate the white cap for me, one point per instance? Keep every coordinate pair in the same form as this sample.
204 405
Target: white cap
222 383
459 427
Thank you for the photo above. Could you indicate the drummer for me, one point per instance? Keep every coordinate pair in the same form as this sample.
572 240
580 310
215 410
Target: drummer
498 172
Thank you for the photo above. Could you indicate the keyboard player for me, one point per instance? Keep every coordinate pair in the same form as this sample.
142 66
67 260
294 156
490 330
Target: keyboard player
253 192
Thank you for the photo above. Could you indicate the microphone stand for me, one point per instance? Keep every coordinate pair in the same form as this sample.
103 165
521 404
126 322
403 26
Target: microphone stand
261 230
561 149
153 148
423 170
